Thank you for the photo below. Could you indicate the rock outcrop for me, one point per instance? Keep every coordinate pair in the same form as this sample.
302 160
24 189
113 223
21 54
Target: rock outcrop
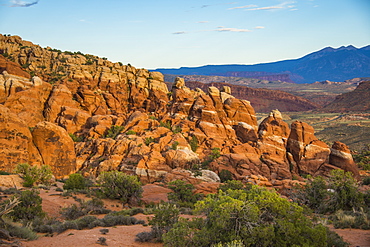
84 113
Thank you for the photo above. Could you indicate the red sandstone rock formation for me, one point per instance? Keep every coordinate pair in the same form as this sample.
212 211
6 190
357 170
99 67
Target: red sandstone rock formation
123 118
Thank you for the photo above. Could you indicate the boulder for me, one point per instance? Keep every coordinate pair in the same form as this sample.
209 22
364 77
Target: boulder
308 152
16 145
273 133
341 157
56 148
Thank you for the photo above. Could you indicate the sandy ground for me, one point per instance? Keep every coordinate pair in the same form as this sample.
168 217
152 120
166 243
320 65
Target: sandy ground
355 237
117 236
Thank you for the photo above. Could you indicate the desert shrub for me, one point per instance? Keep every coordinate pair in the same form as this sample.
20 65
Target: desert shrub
215 153
165 216
34 175
102 241
130 132
21 232
257 217
76 138
86 222
366 181
235 243
29 207
93 206
114 131
166 124
72 212
193 143
313 194
339 191
174 145
114 220
118 185
346 195
104 231
148 140
233 185
4 173
176 129
144 236
182 194
351 219
225 175
333 239
362 158
75 182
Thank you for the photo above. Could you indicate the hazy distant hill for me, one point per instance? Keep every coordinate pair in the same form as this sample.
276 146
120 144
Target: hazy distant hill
327 64
357 100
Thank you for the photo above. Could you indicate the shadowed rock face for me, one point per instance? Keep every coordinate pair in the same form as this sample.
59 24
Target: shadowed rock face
123 118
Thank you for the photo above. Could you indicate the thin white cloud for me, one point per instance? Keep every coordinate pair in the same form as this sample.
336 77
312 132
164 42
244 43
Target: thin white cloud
203 22
18 3
267 8
284 5
259 27
177 33
244 7
231 29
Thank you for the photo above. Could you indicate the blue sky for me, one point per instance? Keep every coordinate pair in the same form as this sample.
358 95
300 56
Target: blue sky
170 34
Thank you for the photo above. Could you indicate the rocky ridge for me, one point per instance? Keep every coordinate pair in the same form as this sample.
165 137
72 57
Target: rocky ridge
98 116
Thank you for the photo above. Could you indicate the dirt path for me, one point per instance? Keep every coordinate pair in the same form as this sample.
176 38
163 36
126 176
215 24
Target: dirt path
117 236
355 237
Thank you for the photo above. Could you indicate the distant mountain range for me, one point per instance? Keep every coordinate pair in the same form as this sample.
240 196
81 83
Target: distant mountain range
332 64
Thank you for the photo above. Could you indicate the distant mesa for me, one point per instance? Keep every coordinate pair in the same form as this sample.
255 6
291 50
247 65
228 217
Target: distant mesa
331 64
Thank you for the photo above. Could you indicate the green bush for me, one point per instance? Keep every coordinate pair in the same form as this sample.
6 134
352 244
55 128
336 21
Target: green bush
366 181
76 138
86 222
21 232
148 140
165 216
114 131
118 185
339 191
130 132
362 158
234 185
257 217
177 129
225 175
34 175
93 206
193 143
4 173
351 219
29 207
182 194
75 182
346 195
174 145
